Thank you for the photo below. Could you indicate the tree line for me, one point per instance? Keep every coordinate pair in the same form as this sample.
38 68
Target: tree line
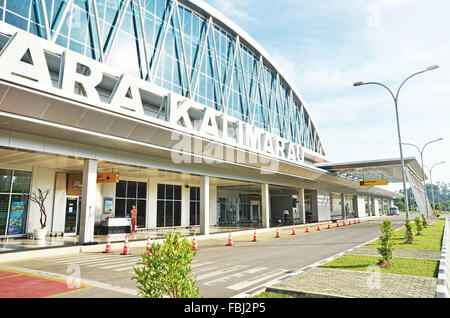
439 191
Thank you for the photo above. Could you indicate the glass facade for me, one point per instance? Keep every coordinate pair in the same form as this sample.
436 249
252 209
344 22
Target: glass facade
14 185
194 206
336 205
129 193
168 43
168 212
244 208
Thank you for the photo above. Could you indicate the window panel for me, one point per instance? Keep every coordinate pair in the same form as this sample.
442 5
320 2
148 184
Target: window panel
177 193
21 7
21 182
177 213
15 20
131 189
142 190
121 187
160 213
119 208
129 206
141 216
169 192
169 213
5 180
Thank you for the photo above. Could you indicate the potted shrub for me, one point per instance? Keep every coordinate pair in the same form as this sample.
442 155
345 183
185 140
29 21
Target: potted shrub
39 198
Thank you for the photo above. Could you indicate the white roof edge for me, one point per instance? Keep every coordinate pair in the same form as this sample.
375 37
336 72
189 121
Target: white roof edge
242 34
362 161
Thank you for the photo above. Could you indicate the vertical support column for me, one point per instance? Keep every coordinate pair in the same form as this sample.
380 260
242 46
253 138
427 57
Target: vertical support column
315 209
213 204
265 202
301 205
383 212
372 206
389 205
204 205
355 205
87 217
343 206
152 203
185 206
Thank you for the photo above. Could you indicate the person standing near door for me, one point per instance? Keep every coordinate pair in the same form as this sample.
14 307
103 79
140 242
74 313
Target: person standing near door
133 219
285 214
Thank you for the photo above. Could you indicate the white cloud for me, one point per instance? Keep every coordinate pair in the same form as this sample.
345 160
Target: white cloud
236 10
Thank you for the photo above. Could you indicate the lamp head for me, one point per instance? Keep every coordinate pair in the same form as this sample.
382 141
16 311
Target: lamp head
358 84
432 67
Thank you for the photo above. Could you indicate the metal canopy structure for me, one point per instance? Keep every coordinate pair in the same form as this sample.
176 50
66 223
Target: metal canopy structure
374 169
385 169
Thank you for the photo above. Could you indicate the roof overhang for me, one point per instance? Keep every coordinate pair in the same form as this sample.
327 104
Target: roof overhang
390 169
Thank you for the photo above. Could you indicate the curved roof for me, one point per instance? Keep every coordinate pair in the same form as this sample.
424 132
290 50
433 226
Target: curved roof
215 14
134 36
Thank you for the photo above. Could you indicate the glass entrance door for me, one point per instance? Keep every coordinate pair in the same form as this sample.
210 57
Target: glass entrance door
71 225
255 212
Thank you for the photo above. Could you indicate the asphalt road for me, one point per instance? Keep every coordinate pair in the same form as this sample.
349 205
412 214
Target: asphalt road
221 271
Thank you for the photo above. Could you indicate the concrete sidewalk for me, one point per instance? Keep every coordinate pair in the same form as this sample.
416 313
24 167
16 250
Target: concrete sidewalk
325 282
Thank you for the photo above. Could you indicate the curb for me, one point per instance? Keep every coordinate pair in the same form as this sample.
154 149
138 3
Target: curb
442 288
301 294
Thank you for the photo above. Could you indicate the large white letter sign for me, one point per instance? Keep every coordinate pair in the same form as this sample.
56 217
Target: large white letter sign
178 111
69 75
126 95
12 54
209 123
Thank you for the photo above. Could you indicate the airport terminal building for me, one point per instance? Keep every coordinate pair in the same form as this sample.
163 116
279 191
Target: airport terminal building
165 105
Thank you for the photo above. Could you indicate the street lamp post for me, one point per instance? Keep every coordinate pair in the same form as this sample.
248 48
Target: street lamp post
423 171
431 181
395 97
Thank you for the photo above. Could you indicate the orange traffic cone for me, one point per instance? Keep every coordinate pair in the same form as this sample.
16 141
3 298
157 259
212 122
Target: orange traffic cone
329 225
354 221
337 223
349 222
307 227
318 226
343 222
293 230
230 241
194 243
126 249
108 245
278 233
359 221
255 237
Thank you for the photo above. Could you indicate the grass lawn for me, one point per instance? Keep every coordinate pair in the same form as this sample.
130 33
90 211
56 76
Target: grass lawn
403 266
431 240
271 295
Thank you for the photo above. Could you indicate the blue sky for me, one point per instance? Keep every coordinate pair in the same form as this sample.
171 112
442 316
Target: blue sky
325 46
